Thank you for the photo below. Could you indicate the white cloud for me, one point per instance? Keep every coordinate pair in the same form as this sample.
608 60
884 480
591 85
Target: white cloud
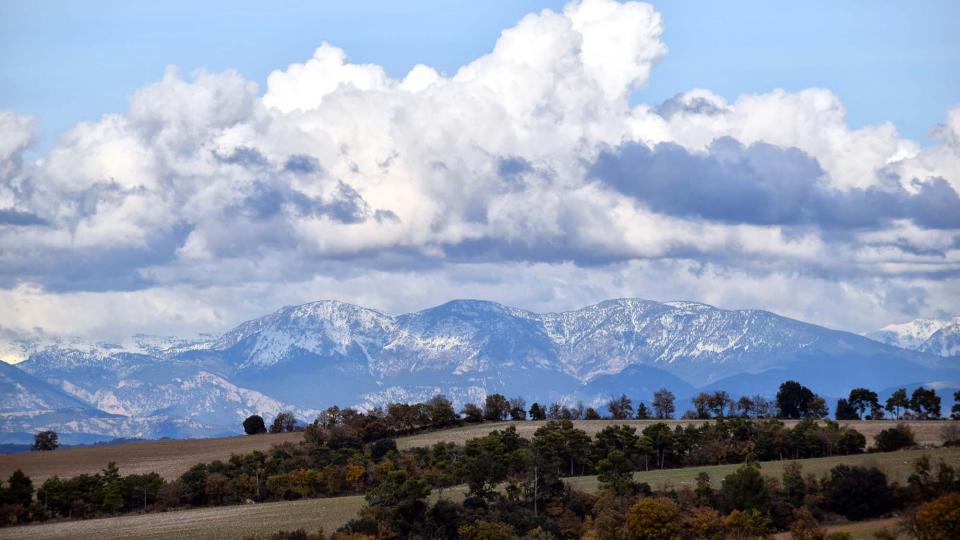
340 181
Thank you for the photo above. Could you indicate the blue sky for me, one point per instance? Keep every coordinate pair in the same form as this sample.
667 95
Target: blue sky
66 61
798 157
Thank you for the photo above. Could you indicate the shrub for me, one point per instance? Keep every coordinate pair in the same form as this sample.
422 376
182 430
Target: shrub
939 519
652 519
895 438
857 492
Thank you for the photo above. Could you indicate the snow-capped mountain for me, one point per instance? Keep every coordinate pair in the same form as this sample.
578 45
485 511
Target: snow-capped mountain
311 356
935 336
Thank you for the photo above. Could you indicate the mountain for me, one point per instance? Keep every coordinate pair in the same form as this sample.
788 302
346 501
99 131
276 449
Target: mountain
939 337
308 357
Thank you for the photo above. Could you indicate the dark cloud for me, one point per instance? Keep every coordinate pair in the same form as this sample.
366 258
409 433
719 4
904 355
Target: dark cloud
683 104
302 164
9 216
763 184
244 156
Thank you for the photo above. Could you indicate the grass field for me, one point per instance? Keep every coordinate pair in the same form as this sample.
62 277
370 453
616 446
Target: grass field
264 519
172 458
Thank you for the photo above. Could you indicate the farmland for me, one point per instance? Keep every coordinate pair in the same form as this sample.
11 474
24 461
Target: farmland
171 458
266 518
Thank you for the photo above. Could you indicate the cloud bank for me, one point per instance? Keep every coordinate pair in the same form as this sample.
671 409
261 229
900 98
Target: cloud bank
527 176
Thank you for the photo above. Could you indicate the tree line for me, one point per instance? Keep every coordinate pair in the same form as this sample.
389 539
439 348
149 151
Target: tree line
333 459
793 401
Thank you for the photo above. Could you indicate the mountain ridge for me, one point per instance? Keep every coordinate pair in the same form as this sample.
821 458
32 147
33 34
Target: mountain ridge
308 356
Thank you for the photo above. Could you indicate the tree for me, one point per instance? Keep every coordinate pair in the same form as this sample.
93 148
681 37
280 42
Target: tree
660 438
471 413
642 412
652 519
863 400
537 412
955 410
925 403
701 404
399 501
19 490
518 409
441 411
897 402
857 493
817 408
845 411
720 403
793 400
615 473
254 425
496 408
745 489
45 441
283 423
762 407
620 408
746 406
663 404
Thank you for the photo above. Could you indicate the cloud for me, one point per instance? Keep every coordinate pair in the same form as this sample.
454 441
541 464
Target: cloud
530 160
763 184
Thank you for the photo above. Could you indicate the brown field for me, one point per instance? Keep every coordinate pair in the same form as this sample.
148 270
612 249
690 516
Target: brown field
172 458
261 520
168 458
231 522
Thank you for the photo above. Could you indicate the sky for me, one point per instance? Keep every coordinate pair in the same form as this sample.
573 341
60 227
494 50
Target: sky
172 168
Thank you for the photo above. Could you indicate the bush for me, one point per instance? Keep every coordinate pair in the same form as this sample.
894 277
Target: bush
939 519
895 438
652 519
857 492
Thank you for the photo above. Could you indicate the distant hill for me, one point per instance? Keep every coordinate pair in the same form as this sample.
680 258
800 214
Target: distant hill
305 358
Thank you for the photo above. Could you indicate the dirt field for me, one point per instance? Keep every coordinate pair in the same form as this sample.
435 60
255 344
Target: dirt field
168 458
172 458
264 519
230 522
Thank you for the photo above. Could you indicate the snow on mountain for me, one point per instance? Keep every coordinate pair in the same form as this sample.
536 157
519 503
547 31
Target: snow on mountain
944 342
910 335
311 356
19 392
935 336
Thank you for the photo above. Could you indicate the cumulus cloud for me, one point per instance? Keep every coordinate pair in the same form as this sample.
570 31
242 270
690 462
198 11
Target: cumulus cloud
530 160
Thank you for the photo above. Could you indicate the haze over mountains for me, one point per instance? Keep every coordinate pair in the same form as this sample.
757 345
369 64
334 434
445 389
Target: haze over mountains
308 357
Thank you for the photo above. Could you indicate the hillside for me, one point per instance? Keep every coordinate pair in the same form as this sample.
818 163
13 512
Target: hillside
172 458
308 357
330 513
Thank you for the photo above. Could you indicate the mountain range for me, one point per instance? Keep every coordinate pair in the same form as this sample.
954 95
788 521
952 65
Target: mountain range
305 358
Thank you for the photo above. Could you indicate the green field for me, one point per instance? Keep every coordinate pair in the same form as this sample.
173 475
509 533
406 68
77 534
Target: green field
264 519
896 465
